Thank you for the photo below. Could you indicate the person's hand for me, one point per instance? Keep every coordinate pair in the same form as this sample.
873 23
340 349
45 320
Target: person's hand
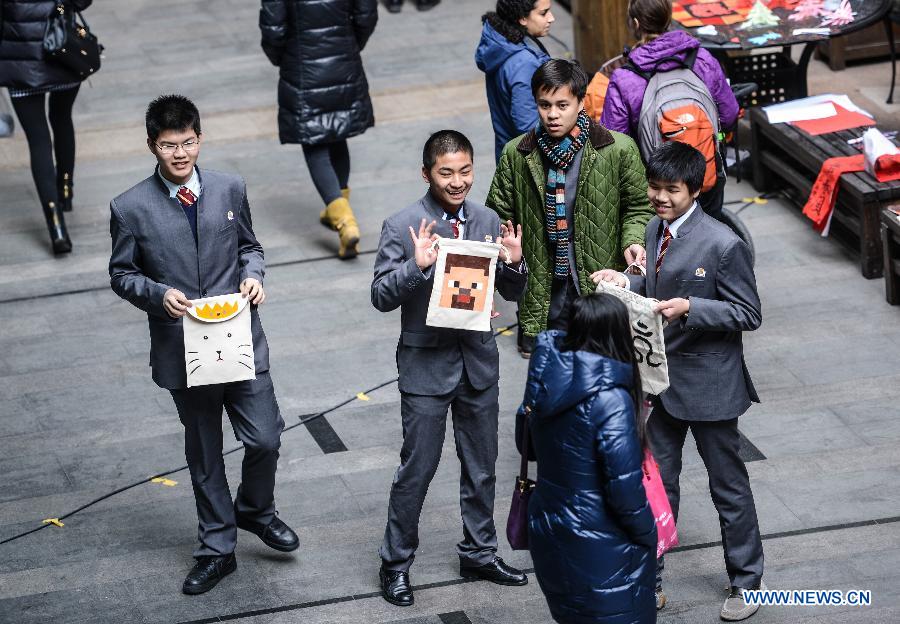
425 255
253 290
608 275
175 303
672 309
636 254
511 238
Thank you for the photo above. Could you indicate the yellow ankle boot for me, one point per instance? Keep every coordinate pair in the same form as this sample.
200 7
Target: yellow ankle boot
339 217
324 219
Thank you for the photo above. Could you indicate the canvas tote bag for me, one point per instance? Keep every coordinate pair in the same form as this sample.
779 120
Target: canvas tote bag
647 334
218 343
463 293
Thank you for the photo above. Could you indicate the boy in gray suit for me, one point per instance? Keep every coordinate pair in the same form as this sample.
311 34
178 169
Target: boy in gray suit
702 274
181 234
443 369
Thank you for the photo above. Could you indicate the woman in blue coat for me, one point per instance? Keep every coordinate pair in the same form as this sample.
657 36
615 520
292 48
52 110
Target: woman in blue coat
591 532
509 53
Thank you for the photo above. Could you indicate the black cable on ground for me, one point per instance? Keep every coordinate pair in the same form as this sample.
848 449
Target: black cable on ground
92 289
303 420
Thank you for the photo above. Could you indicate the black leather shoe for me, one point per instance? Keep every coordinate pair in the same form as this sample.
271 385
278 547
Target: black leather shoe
395 587
425 5
496 572
207 572
275 535
394 6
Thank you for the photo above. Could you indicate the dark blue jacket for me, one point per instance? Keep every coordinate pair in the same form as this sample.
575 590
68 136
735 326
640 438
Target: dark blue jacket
592 534
508 69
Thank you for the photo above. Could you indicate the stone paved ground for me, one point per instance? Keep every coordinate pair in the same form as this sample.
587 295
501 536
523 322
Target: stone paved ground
79 415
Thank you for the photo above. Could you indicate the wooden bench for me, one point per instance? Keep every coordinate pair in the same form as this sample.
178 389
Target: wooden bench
789 159
890 238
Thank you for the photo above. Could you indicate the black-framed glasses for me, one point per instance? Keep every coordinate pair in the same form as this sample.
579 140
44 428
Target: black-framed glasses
190 145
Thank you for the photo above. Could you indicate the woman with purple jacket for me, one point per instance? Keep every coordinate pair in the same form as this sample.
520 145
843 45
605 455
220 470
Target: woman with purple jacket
649 21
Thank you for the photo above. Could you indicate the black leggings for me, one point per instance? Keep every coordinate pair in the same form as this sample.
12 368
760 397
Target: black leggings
329 167
32 111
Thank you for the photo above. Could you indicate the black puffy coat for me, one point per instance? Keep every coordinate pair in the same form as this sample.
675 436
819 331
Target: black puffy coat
22 64
591 532
323 95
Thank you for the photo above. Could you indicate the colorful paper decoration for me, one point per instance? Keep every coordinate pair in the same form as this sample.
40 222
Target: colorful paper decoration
694 13
764 39
808 9
841 16
760 16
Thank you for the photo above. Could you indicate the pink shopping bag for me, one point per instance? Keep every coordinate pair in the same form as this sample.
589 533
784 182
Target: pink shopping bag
666 533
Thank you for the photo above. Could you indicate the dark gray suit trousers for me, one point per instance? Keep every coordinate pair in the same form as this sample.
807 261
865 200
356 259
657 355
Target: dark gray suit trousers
257 422
718 443
475 430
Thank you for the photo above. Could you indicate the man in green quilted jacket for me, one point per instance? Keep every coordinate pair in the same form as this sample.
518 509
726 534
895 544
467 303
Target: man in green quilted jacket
579 192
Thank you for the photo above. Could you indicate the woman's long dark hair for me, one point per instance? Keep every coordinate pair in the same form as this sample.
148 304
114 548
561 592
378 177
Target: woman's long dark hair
598 323
505 20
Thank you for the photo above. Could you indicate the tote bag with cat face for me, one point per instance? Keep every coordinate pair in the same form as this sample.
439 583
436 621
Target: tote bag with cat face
218 344
647 335
463 293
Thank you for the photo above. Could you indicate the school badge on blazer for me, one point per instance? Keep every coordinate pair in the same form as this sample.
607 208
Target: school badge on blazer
218 344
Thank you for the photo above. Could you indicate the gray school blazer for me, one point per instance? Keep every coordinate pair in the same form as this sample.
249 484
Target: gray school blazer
153 250
430 360
710 264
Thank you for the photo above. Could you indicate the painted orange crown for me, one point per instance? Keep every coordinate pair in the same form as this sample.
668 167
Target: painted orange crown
217 311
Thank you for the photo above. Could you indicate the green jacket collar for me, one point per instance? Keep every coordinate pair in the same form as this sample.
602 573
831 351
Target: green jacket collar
598 135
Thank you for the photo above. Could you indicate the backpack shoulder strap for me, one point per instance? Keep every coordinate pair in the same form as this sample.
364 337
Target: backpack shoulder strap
633 68
691 58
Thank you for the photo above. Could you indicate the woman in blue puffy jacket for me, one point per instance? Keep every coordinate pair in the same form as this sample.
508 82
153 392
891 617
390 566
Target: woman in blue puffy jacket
509 53
591 532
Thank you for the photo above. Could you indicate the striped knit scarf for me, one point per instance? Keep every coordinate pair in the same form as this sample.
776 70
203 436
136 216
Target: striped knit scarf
560 153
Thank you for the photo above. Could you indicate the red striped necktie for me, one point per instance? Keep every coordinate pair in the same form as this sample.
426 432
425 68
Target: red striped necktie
667 236
186 197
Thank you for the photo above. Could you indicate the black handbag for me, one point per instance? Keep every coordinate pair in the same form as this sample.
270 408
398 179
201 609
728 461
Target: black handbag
69 42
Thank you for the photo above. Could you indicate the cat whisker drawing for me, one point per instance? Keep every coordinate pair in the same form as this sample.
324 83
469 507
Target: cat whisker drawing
218 341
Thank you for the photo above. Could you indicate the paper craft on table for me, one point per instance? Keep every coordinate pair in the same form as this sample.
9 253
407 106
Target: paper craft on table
841 16
808 9
694 13
764 39
843 120
760 16
218 343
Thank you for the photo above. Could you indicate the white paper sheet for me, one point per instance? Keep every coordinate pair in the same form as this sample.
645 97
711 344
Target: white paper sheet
801 113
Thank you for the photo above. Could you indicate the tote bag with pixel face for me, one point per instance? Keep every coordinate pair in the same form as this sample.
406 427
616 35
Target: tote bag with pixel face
463 293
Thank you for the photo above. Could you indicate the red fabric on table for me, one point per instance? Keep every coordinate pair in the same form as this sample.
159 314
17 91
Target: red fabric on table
823 195
844 120
887 168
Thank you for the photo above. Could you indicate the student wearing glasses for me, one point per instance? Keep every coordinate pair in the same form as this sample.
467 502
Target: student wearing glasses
181 234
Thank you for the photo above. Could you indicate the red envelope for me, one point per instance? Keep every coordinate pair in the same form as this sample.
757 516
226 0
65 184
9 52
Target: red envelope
844 120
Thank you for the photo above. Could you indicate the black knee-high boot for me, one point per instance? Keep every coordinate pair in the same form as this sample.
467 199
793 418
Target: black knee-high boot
56 225
64 190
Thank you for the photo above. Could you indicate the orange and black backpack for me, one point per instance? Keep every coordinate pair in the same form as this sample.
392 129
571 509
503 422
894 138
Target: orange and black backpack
677 106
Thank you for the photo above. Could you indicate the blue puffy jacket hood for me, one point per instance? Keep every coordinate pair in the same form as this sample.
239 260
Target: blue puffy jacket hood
508 68
494 50
566 378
